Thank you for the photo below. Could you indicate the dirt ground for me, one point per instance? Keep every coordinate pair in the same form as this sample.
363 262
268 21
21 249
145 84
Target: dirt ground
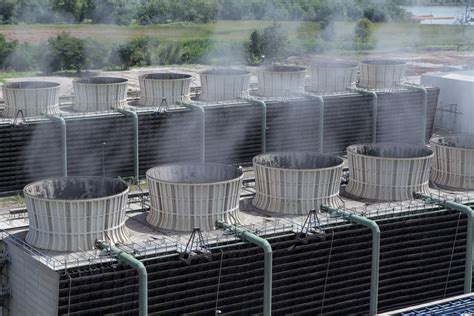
418 64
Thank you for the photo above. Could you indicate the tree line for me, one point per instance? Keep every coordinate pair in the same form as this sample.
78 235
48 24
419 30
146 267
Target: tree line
124 12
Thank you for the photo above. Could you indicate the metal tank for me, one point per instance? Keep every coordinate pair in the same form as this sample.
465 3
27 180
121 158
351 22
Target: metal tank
333 76
296 182
225 84
388 171
381 73
280 81
32 98
185 196
99 93
453 163
71 213
172 88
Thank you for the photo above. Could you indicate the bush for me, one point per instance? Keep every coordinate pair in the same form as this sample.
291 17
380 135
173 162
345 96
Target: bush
363 38
193 51
6 48
169 53
97 54
268 44
136 52
65 53
23 58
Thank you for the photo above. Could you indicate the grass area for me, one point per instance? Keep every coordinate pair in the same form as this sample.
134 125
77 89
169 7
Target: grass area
222 30
389 36
12 201
15 74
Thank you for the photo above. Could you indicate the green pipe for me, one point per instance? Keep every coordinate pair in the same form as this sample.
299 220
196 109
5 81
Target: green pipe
203 131
470 215
268 257
264 121
375 102
321 119
135 264
136 160
62 121
374 274
424 109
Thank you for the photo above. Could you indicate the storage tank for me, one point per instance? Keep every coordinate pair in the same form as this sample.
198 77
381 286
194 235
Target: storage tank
33 98
99 93
224 84
185 196
172 87
280 81
453 163
381 73
388 171
296 182
333 76
70 213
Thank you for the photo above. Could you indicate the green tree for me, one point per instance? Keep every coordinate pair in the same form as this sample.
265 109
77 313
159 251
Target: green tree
136 52
363 37
7 11
255 49
65 53
6 48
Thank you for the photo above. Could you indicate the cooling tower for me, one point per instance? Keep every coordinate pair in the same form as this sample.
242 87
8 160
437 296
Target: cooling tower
33 98
69 214
224 84
333 77
280 81
189 195
296 182
381 73
99 93
388 171
172 87
453 163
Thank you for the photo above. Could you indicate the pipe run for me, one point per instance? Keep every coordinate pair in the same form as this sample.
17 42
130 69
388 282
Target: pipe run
374 274
136 160
264 121
470 215
62 121
203 131
375 102
135 264
268 257
321 118
424 108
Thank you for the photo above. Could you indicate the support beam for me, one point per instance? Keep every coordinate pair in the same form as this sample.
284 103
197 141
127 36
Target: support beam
470 215
135 264
375 103
62 121
321 119
264 121
268 258
203 131
136 160
424 109
374 270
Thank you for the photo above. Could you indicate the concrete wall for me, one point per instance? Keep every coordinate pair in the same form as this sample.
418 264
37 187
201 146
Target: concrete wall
34 287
